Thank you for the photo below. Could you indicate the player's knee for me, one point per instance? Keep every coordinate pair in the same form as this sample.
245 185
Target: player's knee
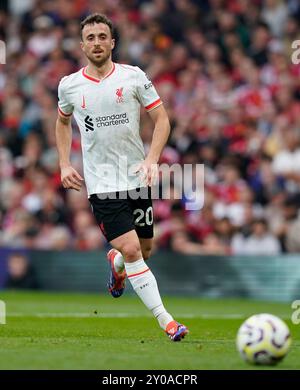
131 251
146 252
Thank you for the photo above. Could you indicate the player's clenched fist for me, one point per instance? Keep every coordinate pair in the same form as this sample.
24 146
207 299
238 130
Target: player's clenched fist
70 178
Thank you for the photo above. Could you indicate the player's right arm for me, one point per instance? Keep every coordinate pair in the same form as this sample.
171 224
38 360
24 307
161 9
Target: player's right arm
69 176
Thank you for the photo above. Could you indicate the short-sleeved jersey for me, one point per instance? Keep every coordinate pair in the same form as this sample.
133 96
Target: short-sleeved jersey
107 112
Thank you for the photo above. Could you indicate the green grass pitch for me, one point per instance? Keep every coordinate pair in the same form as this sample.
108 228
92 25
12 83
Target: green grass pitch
84 331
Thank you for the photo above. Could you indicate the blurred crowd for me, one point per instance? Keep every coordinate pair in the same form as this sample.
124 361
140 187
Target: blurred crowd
224 71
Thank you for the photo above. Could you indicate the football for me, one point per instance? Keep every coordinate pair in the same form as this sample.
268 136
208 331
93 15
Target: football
263 339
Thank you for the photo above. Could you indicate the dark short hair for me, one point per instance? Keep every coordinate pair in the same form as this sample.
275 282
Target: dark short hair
260 221
97 18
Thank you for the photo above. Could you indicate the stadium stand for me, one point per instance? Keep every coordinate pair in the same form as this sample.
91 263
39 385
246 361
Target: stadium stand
225 73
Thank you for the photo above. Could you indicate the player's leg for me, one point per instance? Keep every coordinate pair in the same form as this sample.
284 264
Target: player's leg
118 264
118 274
139 273
128 245
144 283
114 218
118 223
146 247
117 257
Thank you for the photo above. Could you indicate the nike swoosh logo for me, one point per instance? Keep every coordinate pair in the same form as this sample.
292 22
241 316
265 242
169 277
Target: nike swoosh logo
83 102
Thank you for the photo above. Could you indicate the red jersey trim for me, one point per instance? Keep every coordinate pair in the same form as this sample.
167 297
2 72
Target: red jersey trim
62 113
139 273
154 104
89 77
93 78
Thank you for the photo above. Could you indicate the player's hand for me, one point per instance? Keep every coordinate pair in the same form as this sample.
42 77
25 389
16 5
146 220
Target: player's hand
70 178
148 170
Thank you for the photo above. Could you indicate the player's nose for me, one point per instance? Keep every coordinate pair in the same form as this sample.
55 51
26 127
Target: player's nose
97 42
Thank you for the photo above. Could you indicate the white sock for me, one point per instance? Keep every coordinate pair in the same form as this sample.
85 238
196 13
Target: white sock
119 262
145 285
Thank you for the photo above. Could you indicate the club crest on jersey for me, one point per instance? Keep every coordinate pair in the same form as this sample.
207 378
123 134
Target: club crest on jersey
119 93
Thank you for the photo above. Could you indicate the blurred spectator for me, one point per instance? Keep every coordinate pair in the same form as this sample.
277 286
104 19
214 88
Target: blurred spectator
20 272
224 230
260 242
292 237
43 40
286 163
275 14
60 238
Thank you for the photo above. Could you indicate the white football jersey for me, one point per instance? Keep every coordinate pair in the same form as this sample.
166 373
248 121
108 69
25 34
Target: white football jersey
107 112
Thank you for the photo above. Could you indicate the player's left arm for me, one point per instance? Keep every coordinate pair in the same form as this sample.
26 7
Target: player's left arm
149 167
161 133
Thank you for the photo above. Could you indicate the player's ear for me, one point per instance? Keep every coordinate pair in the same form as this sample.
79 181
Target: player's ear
113 43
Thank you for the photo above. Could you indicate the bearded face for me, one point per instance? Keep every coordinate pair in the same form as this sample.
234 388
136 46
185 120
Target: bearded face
97 43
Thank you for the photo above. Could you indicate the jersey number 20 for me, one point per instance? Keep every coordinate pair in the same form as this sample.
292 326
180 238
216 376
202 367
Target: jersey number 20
143 218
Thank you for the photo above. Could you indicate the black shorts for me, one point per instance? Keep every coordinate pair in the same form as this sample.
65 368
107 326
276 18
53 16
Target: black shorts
120 212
